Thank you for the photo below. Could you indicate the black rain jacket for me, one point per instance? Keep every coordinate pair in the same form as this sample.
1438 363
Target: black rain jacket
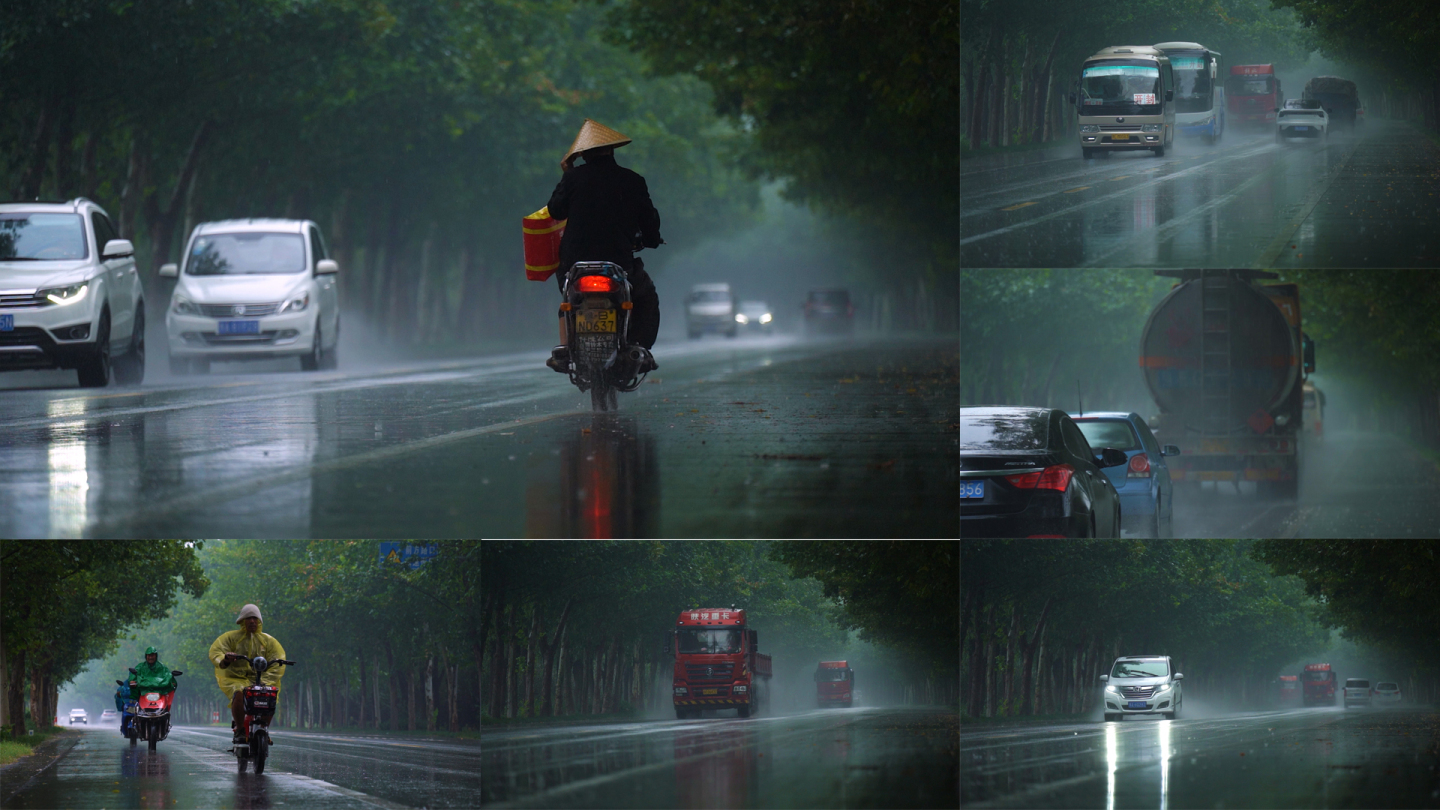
606 205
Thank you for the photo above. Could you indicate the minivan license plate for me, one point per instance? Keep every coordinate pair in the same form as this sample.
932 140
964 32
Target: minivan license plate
7 323
972 489
1136 704
239 327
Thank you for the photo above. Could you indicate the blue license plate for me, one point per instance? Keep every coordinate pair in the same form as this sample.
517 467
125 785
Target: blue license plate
7 323
972 489
239 327
1136 704
1301 129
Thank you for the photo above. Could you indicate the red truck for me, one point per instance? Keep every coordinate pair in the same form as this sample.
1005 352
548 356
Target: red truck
834 682
1318 681
717 663
1252 95
1289 688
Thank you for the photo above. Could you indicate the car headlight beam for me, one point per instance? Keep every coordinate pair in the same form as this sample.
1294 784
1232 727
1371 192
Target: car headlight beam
740 318
297 304
765 318
61 296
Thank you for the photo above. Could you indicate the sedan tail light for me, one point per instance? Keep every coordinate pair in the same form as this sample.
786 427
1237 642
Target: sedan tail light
1139 466
1056 478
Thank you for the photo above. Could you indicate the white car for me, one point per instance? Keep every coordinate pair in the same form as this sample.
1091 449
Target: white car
253 289
79 714
109 716
1301 120
755 315
1142 684
710 308
1357 692
1385 693
70 296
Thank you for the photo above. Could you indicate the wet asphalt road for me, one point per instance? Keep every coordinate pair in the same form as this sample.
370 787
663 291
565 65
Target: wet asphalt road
305 770
765 436
1352 484
1369 200
833 758
1296 758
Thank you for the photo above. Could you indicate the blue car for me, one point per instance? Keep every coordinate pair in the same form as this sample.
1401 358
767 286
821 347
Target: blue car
1144 481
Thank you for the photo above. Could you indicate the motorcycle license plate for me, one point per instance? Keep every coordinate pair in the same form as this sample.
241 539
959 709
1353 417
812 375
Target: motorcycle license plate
709 691
7 323
1119 137
595 320
239 327
1136 704
972 489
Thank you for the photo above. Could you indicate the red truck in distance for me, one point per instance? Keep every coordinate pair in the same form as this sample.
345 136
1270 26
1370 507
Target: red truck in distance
1318 682
834 684
1252 95
717 663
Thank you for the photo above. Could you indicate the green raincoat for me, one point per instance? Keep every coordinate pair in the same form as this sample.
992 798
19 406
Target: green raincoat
238 674
154 677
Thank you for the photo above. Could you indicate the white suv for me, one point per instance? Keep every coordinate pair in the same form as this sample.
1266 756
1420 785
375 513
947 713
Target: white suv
79 714
1357 692
1142 684
70 296
253 289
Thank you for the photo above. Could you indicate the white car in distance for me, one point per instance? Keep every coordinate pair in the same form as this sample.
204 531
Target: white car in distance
1385 693
80 715
1302 120
253 289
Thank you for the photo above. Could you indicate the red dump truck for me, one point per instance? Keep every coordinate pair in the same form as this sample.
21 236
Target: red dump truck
834 684
1226 360
1318 681
717 663
1252 96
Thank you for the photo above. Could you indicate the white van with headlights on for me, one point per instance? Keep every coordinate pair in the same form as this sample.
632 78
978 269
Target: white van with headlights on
253 289
1142 684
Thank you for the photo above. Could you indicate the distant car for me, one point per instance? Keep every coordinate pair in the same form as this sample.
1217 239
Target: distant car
79 715
1302 119
254 289
109 716
830 312
755 315
1143 684
1144 482
1357 692
1030 472
710 308
70 295
1385 693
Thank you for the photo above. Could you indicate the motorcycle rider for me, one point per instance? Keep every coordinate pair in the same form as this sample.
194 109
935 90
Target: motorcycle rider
608 216
230 654
150 676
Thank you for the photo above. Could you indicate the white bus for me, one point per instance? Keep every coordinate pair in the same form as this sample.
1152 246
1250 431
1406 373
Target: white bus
1199 89
1125 101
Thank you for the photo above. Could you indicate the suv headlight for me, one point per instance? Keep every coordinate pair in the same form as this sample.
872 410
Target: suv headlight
1112 690
765 318
61 296
1089 127
181 305
296 304
740 318
1150 127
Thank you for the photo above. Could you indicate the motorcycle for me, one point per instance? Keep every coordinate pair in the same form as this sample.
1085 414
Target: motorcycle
597 307
147 717
259 704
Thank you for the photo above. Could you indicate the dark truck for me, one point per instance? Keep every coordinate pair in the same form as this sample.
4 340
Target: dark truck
1226 361
1337 96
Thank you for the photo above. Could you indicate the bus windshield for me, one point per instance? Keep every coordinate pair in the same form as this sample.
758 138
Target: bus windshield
1120 88
1194 92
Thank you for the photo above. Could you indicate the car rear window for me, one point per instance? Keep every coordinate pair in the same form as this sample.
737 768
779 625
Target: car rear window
1356 683
1117 434
1005 432
1389 686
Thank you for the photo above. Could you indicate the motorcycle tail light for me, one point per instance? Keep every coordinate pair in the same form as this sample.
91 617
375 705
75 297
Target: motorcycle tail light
596 284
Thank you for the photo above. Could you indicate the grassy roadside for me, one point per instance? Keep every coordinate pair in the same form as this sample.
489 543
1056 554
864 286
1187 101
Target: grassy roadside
12 750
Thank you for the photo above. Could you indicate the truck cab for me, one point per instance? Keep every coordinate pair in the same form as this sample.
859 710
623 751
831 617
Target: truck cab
834 684
1318 682
718 664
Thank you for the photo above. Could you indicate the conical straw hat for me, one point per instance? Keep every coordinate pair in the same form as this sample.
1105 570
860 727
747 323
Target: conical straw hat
594 135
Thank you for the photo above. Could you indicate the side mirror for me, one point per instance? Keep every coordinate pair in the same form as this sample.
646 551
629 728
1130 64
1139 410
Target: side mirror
1110 457
1307 351
176 672
117 248
1169 450
1169 95
1072 98
1277 109
1105 678
754 641
1179 676
119 683
169 271
326 267
132 671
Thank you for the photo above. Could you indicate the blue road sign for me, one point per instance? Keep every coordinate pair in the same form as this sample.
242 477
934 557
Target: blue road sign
413 555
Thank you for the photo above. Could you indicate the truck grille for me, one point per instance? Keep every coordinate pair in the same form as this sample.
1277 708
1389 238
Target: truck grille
1137 692
717 672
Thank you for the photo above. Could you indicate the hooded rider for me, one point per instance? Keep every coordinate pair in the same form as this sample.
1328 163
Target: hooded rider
608 216
230 654
151 676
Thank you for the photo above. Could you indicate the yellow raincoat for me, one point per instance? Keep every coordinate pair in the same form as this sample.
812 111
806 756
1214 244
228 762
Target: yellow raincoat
238 674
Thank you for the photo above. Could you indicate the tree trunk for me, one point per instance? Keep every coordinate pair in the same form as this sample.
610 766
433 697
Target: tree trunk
989 663
375 693
510 661
557 639
1042 92
527 708
409 681
429 691
453 682
39 153
65 153
1007 704
161 221
1028 648
392 677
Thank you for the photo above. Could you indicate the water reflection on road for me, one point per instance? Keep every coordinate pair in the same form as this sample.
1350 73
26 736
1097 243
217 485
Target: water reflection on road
604 484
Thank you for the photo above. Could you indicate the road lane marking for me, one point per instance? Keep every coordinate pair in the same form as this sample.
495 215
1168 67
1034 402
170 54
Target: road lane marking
1073 190
301 779
1121 177
1272 251
1013 207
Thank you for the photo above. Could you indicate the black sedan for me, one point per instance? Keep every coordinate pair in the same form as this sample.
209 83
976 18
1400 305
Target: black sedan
1029 472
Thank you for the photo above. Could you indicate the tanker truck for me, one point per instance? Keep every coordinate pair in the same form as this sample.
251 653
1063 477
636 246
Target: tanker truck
1225 359
718 664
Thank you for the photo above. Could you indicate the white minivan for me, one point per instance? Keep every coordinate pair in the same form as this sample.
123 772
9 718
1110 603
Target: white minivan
1142 684
253 289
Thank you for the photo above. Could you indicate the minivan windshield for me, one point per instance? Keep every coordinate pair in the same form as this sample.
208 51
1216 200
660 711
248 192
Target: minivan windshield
246 254
42 237
1150 668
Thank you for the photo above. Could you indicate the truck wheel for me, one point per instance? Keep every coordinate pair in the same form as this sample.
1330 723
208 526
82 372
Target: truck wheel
743 711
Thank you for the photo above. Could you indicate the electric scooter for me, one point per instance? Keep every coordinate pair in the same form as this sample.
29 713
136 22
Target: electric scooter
259 702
